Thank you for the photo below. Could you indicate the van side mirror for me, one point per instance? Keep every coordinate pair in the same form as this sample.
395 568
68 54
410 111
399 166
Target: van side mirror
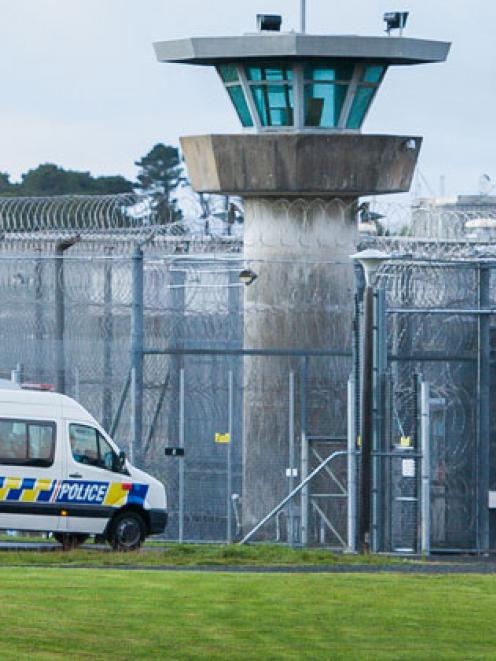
121 461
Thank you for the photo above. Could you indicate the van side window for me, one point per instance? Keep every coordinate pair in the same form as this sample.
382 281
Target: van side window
89 447
27 443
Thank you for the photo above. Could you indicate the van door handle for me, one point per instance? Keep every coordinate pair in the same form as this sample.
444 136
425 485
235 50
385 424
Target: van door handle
77 475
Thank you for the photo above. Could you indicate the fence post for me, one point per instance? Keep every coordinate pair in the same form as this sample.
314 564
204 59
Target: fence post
59 320
425 496
305 496
181 460
38 316
77 386
352 468
379 355
484 407
107 341
16 375
137 355
292 465
60 248
230 405
366 401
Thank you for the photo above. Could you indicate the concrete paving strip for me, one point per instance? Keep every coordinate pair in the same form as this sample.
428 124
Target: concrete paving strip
41 547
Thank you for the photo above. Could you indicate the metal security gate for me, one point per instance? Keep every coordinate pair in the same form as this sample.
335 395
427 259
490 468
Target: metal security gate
397 470
202 463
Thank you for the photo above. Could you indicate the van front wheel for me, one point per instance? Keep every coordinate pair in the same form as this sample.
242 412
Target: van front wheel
127 532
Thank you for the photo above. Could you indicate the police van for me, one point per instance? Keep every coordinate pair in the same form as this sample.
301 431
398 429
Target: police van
61 473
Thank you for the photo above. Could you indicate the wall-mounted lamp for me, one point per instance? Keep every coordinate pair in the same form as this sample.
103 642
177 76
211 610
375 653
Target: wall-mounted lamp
371 260
410 145
247 276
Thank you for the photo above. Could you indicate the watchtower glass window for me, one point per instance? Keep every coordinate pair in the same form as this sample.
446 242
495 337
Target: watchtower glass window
271 86
325 89
308 94
229 75
370 80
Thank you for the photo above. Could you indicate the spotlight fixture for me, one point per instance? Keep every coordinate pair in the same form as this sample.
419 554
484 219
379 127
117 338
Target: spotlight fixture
247 276
410 145
395 20
269 22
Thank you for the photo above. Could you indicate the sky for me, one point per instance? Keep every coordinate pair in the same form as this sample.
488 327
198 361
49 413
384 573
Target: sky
80 85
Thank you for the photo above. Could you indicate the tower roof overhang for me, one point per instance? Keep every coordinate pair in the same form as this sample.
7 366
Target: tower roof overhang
291 46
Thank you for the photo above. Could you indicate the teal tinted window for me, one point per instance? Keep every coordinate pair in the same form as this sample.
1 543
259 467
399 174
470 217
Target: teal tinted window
361 103
228 73
269 72
239 101
329 71
274 104
323 104
373 73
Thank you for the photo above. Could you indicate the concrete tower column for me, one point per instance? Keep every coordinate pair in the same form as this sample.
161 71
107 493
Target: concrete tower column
301 300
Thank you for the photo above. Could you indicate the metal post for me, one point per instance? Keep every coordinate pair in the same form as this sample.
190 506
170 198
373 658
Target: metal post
303 16
292 465
38 315
120 405
60 249
352 468
107 341
132 445
158 409
181 460
366 418
137 313
305 496
77 386
176 315
379 353
59 321
230 404
16 375
483 412
425 498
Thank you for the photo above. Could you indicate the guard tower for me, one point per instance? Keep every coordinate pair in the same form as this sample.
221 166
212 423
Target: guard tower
300 163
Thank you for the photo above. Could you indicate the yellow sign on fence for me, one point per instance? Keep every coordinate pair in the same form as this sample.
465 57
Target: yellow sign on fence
406 442
222 438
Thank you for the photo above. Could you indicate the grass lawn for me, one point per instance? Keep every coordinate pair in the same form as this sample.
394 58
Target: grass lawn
193 555
80 613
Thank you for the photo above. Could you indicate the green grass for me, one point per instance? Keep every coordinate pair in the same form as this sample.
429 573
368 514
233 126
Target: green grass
192 555
59 614
25 538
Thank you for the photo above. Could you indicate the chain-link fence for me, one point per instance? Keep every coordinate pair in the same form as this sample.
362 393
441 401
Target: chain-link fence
151 329
439 321
68 321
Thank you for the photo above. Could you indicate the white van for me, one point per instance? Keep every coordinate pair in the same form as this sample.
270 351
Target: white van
61 473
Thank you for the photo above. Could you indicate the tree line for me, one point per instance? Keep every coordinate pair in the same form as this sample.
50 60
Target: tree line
160 174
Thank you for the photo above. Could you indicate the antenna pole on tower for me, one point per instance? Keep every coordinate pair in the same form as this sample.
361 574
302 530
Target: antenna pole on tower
303 16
